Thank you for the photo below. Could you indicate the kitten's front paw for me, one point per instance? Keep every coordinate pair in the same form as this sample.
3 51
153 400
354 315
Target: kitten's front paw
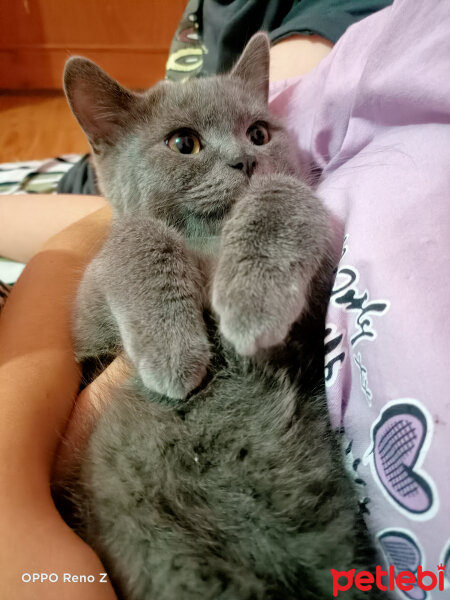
256 314
272 246
174 368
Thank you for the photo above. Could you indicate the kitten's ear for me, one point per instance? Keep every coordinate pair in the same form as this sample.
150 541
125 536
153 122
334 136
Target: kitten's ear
101 106
253 65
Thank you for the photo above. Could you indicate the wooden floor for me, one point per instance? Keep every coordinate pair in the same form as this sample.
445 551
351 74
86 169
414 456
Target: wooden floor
37 125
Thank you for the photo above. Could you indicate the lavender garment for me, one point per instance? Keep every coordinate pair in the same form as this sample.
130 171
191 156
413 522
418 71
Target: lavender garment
375 117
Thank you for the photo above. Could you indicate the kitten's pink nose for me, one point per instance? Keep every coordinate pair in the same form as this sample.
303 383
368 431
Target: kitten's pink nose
245 163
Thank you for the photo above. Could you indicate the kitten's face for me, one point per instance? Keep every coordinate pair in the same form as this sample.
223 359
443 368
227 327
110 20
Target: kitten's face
183 152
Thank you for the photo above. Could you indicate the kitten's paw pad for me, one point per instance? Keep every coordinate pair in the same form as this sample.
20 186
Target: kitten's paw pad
170 384
249 338
257 323
177 373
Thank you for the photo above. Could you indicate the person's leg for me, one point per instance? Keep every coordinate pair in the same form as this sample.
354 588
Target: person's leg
31 219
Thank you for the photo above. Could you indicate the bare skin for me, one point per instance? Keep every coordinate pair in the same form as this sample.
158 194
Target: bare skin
39 377
31 219
297 55
86 410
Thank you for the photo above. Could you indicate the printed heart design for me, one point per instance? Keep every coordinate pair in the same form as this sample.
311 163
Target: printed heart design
404 554
398 448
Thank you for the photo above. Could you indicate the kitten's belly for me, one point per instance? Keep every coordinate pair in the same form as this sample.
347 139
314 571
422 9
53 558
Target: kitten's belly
240 493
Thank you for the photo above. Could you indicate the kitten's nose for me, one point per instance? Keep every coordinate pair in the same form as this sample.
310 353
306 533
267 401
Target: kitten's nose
244 163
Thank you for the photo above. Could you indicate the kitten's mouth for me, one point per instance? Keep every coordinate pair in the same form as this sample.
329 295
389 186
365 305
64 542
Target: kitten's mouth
213 214
215 204
207 218
207 205
219 209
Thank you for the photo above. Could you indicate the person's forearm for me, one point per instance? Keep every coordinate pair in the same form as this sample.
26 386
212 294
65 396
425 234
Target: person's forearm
31 219
297 55
36 541
39 380
39 377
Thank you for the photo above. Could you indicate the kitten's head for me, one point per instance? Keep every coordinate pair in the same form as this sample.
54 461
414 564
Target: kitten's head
182 151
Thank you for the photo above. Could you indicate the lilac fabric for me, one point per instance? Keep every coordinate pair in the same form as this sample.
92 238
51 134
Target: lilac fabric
375 117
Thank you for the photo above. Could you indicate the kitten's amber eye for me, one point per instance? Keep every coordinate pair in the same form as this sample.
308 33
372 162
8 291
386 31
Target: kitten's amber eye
184 142
258 134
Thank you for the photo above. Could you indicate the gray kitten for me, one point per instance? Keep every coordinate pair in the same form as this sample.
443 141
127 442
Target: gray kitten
213 473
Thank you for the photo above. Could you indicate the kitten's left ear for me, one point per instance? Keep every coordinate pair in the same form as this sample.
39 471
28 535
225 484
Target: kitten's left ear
253 65
101 105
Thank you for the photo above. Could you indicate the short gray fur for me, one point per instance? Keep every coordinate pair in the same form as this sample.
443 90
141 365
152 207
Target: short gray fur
213 473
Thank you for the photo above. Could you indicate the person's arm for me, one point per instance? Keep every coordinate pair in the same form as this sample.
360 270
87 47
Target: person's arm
297 55
39 379
29 220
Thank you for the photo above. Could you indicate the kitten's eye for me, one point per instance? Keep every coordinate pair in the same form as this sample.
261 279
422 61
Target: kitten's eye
258 134
184 142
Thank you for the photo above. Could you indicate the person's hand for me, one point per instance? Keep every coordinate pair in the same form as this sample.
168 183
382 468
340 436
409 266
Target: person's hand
86 411
39 379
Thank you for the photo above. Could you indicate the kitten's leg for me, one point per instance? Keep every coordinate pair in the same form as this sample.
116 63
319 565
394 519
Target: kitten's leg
154 290
274 243
94 330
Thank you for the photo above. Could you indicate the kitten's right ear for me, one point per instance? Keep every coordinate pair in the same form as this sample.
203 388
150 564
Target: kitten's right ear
101 106
253 65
